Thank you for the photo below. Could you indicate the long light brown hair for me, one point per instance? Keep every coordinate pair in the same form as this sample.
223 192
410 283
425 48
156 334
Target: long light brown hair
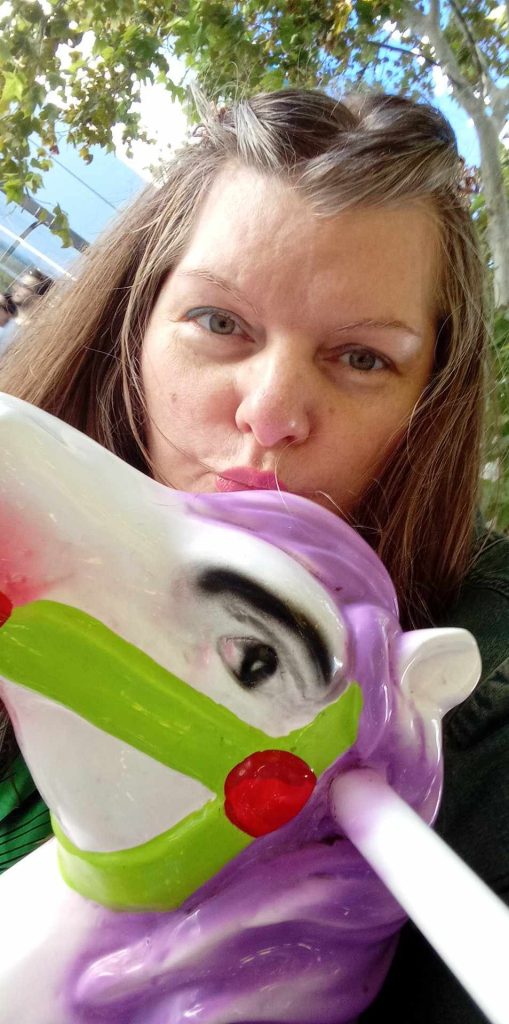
79 358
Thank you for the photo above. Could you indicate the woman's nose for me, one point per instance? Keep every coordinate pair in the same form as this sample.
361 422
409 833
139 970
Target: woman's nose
273 403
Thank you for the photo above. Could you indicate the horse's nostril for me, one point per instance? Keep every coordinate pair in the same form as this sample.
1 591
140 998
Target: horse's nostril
267 790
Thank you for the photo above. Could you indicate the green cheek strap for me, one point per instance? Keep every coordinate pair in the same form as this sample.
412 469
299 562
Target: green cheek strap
73 659
160 874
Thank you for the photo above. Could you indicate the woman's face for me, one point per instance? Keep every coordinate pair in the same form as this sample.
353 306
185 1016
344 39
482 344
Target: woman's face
287 347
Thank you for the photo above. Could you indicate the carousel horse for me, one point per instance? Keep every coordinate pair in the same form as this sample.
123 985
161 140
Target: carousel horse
188 676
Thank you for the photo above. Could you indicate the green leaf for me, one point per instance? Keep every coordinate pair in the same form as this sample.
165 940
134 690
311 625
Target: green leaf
13 191
13 89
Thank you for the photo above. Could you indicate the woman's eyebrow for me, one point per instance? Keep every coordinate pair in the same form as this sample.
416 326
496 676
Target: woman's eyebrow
390 325
212 278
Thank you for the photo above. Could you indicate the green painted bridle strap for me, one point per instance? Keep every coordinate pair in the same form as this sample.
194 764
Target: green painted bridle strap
71 658
160 874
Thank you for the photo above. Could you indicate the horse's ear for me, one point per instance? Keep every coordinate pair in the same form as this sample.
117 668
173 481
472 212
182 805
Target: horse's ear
437 667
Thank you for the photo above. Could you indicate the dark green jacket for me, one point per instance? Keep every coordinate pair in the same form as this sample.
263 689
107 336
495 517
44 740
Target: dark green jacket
474 815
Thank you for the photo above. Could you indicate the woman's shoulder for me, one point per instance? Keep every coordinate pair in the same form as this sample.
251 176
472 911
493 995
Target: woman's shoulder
490 562
482 607
482 603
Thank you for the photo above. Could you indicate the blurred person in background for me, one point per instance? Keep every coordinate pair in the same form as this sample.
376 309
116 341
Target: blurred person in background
8 312
30 286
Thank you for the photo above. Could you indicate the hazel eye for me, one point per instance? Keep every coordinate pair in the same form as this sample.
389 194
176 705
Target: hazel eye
220 323
215 321
250 661
364 360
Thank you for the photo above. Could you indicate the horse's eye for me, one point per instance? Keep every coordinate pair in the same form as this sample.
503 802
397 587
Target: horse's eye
250 661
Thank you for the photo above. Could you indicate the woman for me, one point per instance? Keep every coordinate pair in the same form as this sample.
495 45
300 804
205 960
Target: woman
300 304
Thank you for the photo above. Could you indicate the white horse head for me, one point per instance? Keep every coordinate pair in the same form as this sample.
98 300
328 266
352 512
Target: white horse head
158 641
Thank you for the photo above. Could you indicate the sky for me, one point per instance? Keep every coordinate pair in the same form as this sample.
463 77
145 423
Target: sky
90 194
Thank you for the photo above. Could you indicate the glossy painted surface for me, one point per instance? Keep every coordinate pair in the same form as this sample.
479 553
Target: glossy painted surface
151 632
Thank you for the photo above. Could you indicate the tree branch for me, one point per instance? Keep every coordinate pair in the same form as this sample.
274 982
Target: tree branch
434 15
500 105
459 82
478 56
400 49
429 24
502 94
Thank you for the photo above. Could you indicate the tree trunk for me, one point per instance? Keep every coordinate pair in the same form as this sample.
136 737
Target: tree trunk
497 202
497 206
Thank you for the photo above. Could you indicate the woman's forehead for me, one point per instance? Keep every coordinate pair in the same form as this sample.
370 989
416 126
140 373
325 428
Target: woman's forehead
265 241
